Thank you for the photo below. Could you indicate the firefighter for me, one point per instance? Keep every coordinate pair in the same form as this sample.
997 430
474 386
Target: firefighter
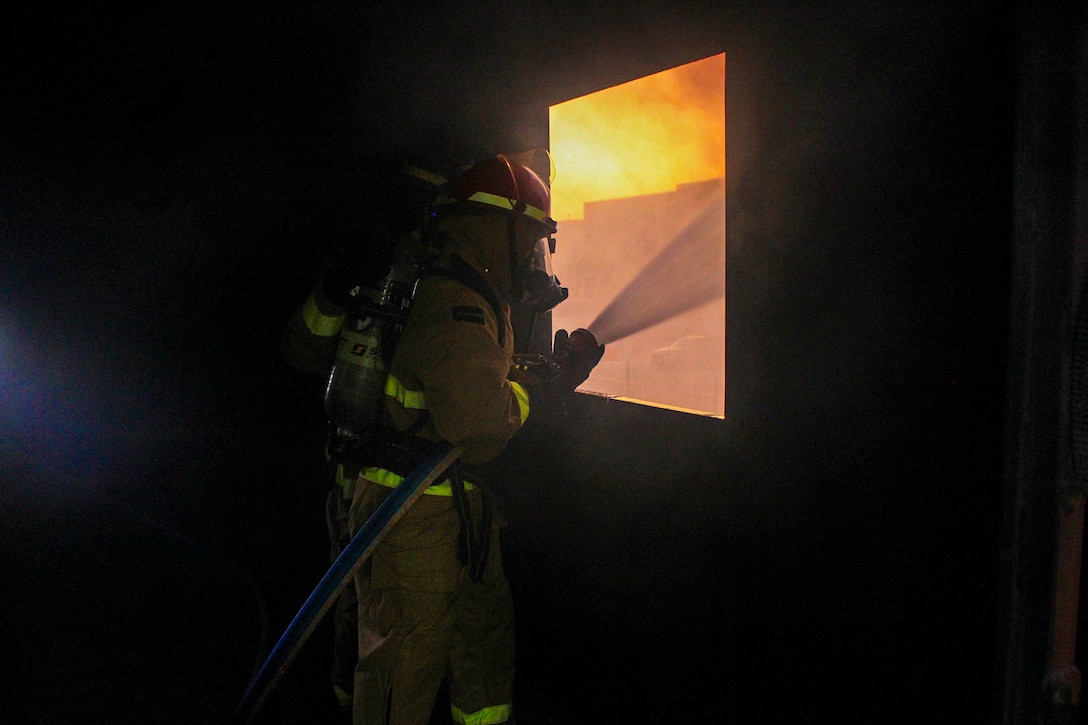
433 601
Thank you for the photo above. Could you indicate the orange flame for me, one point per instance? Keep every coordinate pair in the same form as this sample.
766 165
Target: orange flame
641 137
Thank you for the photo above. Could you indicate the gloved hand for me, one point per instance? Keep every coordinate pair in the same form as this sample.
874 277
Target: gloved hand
575 355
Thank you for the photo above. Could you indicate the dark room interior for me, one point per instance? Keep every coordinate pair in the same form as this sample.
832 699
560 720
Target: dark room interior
884 527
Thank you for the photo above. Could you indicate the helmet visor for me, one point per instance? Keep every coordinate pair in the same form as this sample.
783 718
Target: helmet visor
541 289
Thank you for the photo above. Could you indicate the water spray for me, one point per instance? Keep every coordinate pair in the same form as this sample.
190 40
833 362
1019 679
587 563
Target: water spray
686 274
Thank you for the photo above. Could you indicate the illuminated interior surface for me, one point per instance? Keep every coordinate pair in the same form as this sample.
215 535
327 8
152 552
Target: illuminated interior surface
639 194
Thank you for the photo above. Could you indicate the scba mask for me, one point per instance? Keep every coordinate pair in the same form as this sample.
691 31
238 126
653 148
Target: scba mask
540 288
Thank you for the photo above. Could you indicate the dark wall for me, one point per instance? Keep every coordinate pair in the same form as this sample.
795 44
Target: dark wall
172 176
832 546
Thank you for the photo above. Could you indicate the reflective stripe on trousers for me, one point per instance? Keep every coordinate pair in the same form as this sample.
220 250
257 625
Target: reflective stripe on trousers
387 478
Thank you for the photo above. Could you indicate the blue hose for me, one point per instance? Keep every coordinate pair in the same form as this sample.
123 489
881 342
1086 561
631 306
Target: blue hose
339 575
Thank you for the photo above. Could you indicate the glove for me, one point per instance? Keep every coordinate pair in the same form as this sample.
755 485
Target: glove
575 355
559 374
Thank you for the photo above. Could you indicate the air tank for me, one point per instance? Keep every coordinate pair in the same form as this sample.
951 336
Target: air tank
375 317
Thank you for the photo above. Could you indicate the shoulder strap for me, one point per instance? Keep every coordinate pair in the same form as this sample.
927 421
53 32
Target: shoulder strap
462 272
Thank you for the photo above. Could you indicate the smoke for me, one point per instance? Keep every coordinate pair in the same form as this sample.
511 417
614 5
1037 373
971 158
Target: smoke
686 274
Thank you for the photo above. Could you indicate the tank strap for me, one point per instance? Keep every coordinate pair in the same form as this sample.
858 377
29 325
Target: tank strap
461 271
472 541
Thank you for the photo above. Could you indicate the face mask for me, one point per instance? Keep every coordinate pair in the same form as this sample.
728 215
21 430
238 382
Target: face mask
540 288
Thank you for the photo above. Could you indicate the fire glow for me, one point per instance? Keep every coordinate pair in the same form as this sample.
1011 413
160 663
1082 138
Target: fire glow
639 193
642 137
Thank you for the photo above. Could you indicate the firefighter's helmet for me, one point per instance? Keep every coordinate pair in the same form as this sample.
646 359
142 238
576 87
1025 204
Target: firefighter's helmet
503 184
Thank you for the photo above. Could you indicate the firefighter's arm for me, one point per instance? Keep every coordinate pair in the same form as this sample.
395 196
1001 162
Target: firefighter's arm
471 402
309 340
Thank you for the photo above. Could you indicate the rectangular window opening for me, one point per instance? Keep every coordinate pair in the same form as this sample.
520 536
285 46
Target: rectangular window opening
639 195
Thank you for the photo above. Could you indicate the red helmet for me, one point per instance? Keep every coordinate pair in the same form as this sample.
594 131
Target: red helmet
503 184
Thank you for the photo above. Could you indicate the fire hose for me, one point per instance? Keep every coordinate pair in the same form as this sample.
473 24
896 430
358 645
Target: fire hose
339 575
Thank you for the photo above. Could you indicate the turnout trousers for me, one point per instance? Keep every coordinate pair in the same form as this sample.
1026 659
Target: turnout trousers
421 618
345 628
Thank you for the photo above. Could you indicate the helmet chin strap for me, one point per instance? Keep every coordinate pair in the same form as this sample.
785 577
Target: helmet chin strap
516 283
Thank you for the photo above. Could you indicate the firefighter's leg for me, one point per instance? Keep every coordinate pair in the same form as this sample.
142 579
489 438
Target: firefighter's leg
345 628
482 658
405 620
